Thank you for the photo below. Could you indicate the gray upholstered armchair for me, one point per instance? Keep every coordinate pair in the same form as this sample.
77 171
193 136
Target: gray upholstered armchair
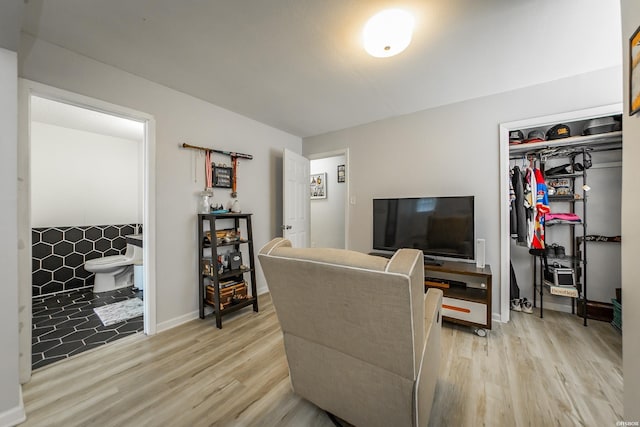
361 337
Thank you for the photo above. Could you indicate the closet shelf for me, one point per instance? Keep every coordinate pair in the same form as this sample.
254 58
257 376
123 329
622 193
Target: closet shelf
598 142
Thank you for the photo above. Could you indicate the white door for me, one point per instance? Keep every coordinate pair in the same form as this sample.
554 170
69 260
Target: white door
295 194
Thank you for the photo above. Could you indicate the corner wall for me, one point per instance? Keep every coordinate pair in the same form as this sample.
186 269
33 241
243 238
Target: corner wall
630 228
179 172
11 409
452 150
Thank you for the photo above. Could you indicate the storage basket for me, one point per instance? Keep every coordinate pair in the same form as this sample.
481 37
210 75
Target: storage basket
617 314
226 293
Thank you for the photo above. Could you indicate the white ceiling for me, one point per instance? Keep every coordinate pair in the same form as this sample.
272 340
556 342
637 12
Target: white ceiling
298 65
69 116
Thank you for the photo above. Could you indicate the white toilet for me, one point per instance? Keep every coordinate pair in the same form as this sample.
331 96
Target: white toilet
116 271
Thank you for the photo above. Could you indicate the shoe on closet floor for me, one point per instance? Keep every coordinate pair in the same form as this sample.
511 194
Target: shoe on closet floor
516 305
526 306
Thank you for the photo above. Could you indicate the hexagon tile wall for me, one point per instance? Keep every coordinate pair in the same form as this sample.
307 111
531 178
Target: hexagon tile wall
59 254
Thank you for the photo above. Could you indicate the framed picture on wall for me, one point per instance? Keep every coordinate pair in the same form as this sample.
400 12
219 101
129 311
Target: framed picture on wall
222 176
341 173
634 73
319 185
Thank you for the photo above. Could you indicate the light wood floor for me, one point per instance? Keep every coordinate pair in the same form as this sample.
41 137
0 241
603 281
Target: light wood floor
529 372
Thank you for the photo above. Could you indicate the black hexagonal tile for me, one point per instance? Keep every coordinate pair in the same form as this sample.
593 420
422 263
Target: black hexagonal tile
44 362
57 333
130 325
102 336
62 248
112 252
63 274
73 260
41 250
74 284
73 235
35 264
51 287
119 243
52 262
102 245
79 335
63 349
92 255
91 323
127 229
93 233
70 323
41 277
52 235
85 348
43 346
83 246
111 232
81 273
36 236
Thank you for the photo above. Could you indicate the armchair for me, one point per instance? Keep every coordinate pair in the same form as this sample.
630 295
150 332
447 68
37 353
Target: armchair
362 339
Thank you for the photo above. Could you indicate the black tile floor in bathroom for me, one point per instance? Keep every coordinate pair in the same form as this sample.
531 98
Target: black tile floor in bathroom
65 324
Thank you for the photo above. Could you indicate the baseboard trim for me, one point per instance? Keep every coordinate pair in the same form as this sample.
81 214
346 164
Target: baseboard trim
14 416
177 321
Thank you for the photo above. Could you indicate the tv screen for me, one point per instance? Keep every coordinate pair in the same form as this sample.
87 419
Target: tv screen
439 226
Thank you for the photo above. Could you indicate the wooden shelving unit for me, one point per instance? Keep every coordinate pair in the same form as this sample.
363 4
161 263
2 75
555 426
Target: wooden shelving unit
216 274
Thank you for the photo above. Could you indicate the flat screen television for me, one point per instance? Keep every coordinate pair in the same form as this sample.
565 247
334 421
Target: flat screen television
439 226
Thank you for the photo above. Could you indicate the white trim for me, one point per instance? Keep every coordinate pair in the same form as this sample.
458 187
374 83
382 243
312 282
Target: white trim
341 152
32 88
177 321
15 415
505 255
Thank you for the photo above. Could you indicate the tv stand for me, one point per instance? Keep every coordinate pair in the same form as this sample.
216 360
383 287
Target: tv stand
467 292
432 261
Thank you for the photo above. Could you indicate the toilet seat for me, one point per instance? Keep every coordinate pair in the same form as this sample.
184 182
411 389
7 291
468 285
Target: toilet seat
108 261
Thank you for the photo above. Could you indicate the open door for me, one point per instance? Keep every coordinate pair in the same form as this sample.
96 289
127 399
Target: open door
296 202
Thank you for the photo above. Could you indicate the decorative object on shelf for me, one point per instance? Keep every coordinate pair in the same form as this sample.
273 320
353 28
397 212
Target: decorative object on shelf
319 186
204 206
235 260
634 73
222 177
341 173
235 206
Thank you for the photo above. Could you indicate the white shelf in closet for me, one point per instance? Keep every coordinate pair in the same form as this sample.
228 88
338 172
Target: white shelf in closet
595 142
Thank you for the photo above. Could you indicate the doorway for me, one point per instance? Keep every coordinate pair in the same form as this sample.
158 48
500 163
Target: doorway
329 209
70 146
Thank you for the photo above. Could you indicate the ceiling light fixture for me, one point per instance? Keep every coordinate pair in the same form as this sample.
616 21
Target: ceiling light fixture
388 33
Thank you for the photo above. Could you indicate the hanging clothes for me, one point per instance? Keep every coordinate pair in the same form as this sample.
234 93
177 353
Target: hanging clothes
530 187
542 208
518 210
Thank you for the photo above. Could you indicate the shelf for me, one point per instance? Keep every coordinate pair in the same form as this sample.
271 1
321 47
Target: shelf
564 175
209 283
232 243
599 142
565 199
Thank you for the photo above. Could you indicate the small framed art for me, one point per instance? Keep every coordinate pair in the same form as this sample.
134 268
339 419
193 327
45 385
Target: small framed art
319 185
341 173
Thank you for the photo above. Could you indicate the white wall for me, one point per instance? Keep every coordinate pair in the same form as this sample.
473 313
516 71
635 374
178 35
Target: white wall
327 215
83 178
452 150
180 174
630 229
11 410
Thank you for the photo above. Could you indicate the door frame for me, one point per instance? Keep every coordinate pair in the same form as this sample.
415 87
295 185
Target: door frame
28 88
334 153
505 252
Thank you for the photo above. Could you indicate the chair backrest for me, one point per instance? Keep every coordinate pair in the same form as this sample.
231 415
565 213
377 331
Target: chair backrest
369 307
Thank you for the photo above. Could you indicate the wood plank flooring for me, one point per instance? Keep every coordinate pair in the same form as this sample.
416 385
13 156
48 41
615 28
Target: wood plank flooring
529 372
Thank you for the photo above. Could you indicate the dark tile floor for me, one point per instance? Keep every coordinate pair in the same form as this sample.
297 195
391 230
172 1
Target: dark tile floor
65 324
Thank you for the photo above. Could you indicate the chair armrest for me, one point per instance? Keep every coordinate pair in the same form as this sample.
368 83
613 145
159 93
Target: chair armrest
430 362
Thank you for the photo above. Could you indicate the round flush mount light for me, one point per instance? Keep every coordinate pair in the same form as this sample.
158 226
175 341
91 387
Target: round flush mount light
388 33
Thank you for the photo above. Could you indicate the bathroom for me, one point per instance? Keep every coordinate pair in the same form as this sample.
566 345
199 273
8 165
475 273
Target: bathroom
86 229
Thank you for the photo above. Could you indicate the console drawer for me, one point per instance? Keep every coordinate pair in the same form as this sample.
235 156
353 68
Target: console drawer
464 310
